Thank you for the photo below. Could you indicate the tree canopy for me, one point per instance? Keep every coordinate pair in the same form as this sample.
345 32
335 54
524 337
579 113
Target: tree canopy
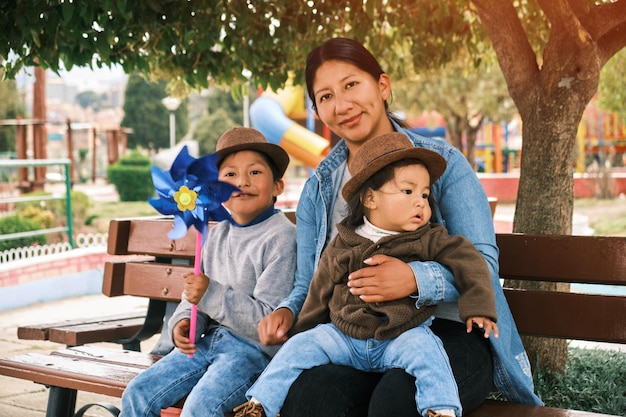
613 85
193 40
10 107
146 115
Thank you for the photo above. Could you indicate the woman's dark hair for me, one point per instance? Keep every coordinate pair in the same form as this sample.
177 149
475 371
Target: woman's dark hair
380 178
346 50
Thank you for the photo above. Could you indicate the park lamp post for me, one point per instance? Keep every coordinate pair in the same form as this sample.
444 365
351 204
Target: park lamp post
246 98
171 104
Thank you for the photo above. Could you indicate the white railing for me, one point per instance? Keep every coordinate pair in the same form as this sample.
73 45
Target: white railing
83 240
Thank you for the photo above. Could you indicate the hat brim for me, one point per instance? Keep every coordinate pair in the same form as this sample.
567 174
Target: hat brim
435 164
277 154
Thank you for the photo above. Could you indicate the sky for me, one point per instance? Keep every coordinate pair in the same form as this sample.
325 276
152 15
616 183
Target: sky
83 78
88 79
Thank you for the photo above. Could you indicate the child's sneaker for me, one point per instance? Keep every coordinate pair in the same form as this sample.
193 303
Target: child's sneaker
249 409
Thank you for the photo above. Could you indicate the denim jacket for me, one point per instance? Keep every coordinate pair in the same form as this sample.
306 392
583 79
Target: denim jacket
461 205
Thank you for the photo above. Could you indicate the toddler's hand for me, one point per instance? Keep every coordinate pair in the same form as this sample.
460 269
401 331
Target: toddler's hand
482 323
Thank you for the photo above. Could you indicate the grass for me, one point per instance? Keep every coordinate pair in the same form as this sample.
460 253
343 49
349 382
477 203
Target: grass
606 217
610 227
100 213
110 210
595 380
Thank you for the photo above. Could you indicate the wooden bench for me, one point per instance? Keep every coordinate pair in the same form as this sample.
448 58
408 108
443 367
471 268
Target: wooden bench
128 237
573 259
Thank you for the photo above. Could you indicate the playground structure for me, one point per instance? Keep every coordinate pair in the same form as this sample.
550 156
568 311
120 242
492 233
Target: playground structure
600 134
71 140
275 114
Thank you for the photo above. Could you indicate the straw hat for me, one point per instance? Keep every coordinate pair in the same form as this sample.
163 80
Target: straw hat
378 152
248 139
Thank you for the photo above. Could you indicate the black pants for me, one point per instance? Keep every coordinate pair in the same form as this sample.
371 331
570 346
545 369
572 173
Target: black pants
341 391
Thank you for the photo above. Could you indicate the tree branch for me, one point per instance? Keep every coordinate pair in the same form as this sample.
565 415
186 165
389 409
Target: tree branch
515 54
606 18
612 42
563 19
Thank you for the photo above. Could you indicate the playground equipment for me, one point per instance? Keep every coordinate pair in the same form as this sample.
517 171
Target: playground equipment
273 114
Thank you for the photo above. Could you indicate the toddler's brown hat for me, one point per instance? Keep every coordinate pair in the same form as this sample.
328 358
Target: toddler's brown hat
248 139
378 152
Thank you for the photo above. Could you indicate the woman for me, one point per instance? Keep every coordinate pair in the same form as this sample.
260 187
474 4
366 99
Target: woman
349 91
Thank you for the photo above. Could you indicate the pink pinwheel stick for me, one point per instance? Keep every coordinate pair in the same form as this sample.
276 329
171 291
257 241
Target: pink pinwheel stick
194 308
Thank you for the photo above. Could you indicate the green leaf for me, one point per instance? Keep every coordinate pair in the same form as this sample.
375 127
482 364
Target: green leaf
67 11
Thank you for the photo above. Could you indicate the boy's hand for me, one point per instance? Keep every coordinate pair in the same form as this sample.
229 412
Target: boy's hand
195 287
482 323
181 337
273 328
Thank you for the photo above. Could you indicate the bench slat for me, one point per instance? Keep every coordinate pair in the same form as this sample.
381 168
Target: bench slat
144 279
60 371
558 314
491 408
590 259
96 332
107 355
149 237
41 331
162 282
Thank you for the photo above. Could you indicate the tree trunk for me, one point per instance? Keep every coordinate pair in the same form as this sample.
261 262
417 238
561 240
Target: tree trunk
550 91
454 124
470 136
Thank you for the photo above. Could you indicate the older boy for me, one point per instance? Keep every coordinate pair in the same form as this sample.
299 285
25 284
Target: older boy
248 268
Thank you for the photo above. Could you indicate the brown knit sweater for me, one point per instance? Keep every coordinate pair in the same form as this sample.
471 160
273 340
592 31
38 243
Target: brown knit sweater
329 298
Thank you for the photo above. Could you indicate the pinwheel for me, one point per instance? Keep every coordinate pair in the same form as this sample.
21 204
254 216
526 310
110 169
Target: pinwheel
192 193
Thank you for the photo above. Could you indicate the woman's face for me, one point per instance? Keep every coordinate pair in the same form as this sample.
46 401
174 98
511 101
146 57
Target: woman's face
351 102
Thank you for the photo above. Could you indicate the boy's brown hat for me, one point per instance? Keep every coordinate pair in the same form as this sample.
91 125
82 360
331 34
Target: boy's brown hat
248 139
378 152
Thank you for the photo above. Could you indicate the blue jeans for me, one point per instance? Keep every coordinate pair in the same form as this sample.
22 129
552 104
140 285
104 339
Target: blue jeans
417 350
215 379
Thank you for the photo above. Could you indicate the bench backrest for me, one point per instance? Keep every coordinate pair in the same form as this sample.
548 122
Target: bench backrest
600 261
155 263
595 260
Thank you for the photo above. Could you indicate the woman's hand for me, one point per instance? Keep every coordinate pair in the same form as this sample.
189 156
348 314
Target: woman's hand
195 287
273 328
181 337
385 279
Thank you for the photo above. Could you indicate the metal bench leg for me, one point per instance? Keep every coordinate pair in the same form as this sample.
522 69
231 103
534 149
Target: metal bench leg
112 409
61 402
165 344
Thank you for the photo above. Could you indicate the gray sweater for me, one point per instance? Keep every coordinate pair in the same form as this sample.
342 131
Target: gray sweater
251 269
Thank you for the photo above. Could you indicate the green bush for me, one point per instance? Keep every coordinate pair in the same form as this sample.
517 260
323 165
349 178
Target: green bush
594 380
131 177
18 224
80 206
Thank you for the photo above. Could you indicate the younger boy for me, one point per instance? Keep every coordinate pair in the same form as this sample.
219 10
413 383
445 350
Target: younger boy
389 213
248 268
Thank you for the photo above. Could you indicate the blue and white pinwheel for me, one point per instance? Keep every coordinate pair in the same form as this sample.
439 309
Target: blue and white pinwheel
191 192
